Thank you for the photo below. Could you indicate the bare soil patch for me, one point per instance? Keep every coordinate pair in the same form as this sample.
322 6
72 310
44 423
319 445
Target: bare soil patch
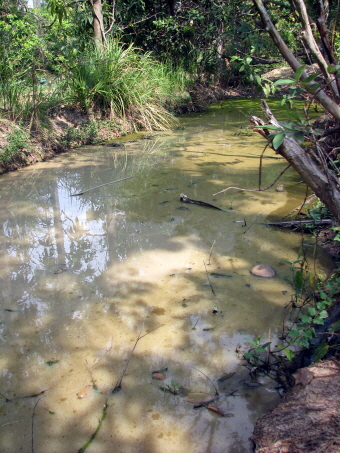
308 419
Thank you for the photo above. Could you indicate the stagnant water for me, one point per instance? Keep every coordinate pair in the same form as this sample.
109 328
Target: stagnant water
83 276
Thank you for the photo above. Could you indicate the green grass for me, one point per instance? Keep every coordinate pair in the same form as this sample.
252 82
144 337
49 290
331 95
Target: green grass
125 83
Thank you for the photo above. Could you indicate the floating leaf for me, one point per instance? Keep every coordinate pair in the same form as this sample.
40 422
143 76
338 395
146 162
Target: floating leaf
84 391
199 397
218 411
159 376
51 362
225 377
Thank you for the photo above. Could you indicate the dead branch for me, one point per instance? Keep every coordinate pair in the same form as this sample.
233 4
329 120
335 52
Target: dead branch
211 286
101 185
118 385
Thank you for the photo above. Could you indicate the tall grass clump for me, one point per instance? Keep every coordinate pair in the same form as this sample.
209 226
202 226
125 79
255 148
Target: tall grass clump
125 83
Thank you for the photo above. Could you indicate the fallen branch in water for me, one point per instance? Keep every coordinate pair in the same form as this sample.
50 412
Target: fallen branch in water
116 389
303 204
89 369
252 223
255 190
118 386
211 252
302 223
211 382
32 423
185 199
211 286
101 185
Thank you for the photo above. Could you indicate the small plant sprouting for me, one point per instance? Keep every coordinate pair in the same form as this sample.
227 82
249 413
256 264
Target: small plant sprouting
231 203
174 386
253 356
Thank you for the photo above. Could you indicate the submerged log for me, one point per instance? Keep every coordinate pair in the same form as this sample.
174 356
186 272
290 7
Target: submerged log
300 223
185 199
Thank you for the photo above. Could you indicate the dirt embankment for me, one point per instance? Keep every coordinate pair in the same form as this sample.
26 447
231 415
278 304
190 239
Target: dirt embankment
64 129
68 128
308 418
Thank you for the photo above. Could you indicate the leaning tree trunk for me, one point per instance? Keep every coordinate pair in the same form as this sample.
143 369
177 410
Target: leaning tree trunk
323 183
320 95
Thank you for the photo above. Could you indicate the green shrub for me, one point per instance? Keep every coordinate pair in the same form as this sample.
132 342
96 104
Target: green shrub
17 144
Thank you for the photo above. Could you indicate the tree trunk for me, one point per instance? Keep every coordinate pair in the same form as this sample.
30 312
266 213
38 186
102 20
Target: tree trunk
98 24
323 184
328 103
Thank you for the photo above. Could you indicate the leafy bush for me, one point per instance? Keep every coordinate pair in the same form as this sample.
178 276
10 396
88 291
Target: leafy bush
17 144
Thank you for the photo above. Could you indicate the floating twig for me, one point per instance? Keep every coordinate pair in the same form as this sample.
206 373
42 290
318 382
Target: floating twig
5 397
32 423
252 223
211 382
212 289
118 385
89 369
101 185
211 252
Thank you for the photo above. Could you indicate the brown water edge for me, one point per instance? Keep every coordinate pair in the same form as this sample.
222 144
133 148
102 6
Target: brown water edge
81 274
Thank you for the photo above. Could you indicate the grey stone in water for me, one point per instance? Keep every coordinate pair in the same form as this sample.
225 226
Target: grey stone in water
263 270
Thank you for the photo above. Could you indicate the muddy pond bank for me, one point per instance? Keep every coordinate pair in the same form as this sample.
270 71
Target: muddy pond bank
84 276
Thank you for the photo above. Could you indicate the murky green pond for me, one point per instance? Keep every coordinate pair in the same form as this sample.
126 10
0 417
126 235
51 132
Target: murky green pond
83 276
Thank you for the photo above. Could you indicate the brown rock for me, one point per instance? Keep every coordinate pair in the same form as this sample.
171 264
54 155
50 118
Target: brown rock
263 270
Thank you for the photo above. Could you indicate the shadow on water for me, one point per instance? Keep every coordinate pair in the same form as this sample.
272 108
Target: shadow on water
79 275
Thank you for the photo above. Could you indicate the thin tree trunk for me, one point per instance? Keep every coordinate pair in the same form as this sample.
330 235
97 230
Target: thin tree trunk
331 106
324 185
98 23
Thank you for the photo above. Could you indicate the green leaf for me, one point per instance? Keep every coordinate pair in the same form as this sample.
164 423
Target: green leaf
286 262
323 314
298 72
321 350
310 333
299 137
294 116
335 326
294 333
289 354
312 311
271 127
298 279
303 341
318 320
306 318
314 87
278 140
284 82
333 68
251 342
310 78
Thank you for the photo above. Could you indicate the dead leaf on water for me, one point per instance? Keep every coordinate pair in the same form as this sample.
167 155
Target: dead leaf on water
84 391
159 376
218 411
199 397
225 377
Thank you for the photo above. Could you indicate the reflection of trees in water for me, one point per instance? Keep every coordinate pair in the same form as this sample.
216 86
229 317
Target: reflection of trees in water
45 230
